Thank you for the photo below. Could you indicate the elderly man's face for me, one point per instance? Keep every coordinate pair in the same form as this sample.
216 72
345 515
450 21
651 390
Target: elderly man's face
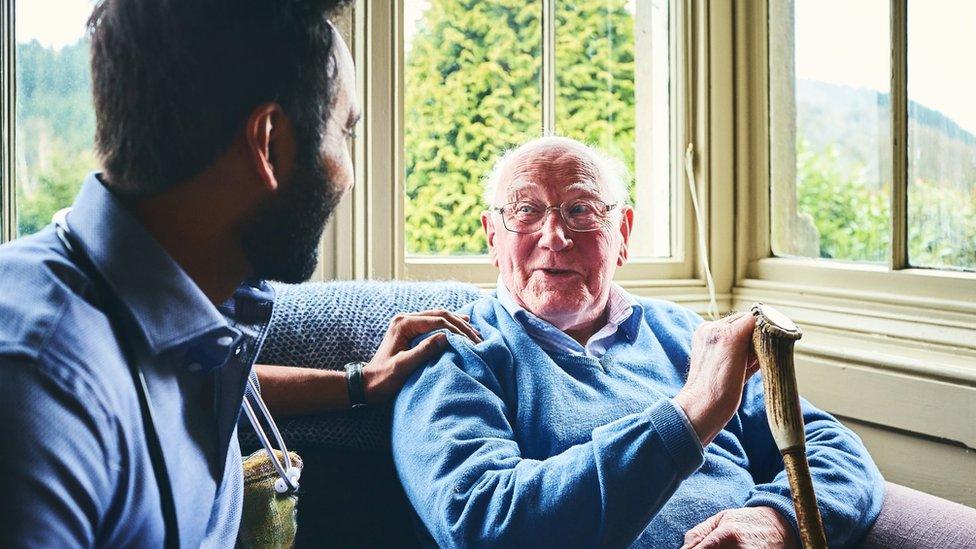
559 275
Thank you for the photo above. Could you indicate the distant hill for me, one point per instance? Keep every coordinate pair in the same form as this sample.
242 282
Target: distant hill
856 123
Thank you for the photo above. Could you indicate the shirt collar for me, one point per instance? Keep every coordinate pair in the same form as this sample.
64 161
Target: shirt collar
166 305
624 310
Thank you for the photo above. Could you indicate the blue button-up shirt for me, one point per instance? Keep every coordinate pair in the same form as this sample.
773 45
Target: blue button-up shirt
74 464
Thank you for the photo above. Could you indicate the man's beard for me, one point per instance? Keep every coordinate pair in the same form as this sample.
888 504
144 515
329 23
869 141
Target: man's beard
281 240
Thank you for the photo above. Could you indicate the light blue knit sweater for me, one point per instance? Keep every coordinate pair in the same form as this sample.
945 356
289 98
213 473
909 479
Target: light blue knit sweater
501 444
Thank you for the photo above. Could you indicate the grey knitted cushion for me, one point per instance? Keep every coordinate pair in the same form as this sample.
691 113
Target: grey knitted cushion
326 325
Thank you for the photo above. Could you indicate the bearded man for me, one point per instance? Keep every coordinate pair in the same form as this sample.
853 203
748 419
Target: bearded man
223 130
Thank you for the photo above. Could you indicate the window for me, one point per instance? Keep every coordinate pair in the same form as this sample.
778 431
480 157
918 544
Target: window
55 122
483 77
862 169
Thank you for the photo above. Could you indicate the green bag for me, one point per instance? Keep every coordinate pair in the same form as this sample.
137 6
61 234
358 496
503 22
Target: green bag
269 518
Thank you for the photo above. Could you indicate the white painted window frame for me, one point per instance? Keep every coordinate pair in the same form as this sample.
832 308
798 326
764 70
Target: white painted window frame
889 348
366 238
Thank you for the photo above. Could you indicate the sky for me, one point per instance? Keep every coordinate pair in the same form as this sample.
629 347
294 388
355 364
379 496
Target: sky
847 42
838 41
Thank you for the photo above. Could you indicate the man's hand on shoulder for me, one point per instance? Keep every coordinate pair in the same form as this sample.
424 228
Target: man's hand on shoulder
394 360
746 528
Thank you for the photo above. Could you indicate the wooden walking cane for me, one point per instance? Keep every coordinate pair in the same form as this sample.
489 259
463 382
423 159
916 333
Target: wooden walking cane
773 340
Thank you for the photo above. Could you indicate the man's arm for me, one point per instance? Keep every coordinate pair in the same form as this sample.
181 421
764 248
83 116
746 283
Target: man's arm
55 471
291 390
460 462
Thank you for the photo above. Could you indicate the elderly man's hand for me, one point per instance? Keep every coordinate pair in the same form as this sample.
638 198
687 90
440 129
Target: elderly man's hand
722 360
747 528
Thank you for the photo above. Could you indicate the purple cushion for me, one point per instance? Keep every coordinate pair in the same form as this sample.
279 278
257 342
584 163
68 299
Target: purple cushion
913 519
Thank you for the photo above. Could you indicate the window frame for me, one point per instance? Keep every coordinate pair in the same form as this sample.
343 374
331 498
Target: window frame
891 352
927 296
8 122
886 345
367 238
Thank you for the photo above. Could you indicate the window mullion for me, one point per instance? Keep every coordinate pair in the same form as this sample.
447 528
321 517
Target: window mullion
899 135
8 125
548 76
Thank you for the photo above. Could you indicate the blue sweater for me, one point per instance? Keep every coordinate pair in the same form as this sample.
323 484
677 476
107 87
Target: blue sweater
501 444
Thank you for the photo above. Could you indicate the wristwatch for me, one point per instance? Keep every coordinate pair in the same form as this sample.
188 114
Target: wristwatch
354 381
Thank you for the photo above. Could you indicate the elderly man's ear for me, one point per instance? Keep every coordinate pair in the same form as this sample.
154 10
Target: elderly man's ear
489 228
626 225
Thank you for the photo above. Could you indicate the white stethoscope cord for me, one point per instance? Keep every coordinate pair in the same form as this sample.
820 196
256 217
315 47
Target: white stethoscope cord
289 474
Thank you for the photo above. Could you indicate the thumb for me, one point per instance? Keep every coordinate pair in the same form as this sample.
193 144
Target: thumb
742 327
424 351
698 533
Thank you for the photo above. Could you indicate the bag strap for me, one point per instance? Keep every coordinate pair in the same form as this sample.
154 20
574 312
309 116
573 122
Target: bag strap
113 310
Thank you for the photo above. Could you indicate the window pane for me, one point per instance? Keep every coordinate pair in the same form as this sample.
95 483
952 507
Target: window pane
941 140
55 119
612 61
471 91
830 128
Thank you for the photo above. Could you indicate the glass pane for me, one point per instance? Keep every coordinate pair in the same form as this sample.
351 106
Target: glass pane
612 61
830 128
471 92
55 118
941 135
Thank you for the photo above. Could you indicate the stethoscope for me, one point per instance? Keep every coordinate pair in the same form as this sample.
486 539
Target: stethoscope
288 474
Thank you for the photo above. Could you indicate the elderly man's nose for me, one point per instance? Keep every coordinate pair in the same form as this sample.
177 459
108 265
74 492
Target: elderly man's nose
554 232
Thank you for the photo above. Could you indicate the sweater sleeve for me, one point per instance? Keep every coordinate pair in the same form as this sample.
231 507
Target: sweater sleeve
847 483
461 465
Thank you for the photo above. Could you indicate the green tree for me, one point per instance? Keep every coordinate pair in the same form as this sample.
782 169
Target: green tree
55 130
595 76
472 91
852 217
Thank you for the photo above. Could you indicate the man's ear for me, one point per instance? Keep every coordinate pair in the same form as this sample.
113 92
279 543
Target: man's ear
270 140
489 228
626 226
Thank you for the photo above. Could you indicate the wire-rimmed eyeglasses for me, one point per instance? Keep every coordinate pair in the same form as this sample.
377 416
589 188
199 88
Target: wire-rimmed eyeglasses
581 215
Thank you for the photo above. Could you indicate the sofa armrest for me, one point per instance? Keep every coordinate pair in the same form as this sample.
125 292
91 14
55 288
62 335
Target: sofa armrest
910 518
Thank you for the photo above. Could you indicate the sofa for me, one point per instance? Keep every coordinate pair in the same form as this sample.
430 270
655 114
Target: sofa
350 495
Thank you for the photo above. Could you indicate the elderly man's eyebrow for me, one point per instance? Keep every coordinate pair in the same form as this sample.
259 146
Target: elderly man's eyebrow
520 186
584 186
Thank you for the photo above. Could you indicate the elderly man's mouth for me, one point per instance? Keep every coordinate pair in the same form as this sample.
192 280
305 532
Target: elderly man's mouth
558 272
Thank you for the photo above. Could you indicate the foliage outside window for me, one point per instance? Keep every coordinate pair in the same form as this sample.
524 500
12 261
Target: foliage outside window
832 167
475 86
55 119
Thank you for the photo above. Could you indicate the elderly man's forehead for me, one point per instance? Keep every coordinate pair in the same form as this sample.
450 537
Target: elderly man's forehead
569 168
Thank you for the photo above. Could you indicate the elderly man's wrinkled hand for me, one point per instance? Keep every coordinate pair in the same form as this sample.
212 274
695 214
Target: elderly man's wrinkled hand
722 360
746 528
395 360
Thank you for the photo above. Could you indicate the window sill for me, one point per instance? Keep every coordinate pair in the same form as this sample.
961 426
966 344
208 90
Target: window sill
897 360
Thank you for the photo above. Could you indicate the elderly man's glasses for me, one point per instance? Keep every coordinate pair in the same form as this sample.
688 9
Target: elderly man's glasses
582 215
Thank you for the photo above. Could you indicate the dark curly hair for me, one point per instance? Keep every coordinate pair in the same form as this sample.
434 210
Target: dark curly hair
175 80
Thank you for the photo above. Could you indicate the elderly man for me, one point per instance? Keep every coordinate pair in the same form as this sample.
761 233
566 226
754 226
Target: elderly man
590 417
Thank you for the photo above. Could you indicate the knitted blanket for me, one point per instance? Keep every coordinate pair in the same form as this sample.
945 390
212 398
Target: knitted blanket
326 325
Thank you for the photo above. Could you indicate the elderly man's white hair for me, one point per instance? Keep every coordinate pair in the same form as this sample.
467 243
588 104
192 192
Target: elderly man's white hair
612 171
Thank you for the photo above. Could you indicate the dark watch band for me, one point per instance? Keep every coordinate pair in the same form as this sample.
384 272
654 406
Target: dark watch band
354 381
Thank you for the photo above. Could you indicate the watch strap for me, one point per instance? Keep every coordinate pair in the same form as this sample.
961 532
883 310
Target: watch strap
355 384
